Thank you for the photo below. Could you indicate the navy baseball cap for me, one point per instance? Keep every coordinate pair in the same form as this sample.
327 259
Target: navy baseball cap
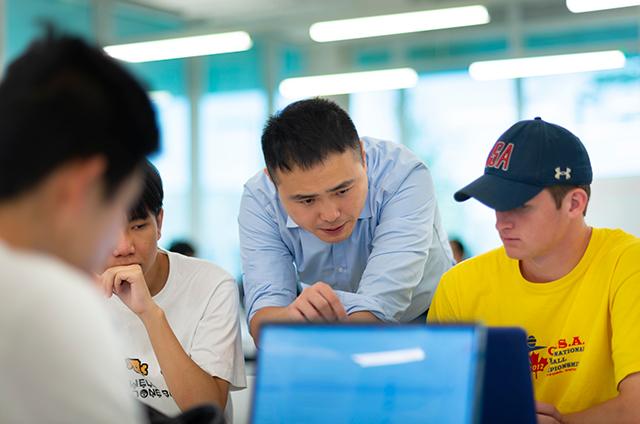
528 157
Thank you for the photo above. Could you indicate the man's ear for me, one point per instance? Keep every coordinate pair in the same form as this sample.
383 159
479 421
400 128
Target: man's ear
159 220
266 172
77 181
578 201
363 155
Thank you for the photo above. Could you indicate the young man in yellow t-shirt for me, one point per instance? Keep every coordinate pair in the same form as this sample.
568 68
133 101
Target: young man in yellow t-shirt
575 289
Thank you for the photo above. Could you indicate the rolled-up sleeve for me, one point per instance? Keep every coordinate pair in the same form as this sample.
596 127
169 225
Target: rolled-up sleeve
269 277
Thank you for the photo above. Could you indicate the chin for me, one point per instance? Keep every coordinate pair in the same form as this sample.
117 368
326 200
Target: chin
515 254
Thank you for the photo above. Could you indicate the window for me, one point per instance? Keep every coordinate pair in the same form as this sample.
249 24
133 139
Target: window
452 123
230 154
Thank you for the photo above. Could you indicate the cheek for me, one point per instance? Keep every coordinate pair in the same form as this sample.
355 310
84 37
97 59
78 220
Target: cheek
353 206
302 215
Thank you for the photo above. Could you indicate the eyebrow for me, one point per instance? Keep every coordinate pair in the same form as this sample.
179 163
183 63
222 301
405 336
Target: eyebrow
341 186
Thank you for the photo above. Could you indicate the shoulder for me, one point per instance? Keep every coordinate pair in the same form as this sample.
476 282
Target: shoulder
260 187
488 264
617 239
198 273
619 247
38 278
52 300
386 156
389 163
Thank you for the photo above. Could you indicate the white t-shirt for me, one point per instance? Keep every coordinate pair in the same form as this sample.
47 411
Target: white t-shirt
59 357
200 301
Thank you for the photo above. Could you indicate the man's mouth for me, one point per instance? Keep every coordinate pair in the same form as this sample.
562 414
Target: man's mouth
334 230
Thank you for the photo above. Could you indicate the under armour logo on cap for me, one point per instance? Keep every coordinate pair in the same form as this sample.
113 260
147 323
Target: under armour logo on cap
566 173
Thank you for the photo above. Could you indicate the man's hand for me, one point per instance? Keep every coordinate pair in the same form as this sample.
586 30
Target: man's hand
317 303
548 414
128 283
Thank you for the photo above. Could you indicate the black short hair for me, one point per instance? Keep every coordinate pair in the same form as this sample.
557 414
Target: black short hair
458 243
304 133
64 100
150 200
183 247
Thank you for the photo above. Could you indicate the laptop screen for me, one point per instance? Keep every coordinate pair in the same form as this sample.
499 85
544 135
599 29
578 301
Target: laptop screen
368 373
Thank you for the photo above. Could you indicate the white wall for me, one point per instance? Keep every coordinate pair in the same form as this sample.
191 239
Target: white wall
615 203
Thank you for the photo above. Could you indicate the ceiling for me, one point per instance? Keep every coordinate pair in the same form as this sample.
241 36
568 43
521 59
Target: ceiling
295 16
288 21
258 10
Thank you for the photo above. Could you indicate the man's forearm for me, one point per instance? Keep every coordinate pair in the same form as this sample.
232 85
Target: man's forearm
268 314
614 411
624 408
363 316
189 384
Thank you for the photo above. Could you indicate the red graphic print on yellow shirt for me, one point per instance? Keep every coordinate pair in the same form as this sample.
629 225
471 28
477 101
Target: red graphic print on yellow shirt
562 356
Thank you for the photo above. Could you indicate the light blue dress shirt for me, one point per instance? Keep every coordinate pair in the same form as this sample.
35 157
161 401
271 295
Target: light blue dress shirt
389 266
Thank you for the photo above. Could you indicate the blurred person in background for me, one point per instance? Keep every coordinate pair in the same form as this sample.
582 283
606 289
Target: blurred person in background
458 249
183 247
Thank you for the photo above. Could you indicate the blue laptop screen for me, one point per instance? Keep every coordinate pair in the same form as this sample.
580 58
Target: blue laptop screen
366 374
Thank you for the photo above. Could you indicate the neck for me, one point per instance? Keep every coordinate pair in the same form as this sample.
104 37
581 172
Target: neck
561 259
157 276
23 226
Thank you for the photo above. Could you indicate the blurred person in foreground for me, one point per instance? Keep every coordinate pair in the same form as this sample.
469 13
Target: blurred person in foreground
74 128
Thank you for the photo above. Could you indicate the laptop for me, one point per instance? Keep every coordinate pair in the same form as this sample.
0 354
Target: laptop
361 373
507 390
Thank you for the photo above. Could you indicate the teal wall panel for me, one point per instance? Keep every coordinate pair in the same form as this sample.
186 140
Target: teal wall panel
133 21
24 18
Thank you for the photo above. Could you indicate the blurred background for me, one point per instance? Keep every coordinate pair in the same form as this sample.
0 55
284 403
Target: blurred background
212 107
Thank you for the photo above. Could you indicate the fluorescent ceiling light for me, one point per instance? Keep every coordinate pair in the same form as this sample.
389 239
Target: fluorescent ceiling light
546 65
579 6
160 96
354 82
175 48
389 357
401 23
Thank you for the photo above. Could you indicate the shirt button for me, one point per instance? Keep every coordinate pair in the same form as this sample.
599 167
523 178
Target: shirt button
341 269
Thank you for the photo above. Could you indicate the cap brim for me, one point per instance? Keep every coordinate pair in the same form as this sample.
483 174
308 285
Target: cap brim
498 193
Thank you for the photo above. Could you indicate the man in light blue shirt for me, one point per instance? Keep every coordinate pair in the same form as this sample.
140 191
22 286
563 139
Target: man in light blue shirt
354 221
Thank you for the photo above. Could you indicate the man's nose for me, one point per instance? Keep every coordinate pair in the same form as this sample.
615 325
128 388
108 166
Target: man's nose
125 245
330 212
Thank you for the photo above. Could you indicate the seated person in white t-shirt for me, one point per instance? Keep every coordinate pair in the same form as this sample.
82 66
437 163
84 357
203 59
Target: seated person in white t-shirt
177 316
74 127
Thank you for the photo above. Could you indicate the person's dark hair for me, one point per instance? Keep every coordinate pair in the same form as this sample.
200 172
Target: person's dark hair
183 247
64 100
559 192
456 244
304 133
150 200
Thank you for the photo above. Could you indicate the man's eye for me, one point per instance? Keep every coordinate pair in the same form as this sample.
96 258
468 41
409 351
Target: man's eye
344 191
307 201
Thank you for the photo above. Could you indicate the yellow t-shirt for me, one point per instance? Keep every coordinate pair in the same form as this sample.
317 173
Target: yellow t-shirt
584 329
